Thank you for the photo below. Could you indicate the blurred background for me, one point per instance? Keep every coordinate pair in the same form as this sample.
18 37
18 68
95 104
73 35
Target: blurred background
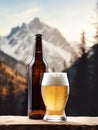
70 44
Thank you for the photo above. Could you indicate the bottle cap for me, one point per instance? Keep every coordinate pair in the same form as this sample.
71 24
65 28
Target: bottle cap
38 35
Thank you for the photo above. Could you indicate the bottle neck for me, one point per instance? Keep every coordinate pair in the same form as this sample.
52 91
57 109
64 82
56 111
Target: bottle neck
38 47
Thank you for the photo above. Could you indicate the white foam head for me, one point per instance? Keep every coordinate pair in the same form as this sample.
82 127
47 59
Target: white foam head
55 78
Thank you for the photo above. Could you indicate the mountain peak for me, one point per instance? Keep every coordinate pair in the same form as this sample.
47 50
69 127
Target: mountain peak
36 23
36 20
23 25
13 31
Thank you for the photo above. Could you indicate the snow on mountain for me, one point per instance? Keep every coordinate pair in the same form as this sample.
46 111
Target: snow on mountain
20 43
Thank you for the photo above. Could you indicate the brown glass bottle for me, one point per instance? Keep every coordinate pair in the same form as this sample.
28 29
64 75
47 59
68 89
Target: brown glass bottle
36 108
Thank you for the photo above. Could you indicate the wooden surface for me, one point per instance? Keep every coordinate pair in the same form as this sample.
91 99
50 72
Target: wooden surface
23 123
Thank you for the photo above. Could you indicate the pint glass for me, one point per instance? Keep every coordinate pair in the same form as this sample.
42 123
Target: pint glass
55 91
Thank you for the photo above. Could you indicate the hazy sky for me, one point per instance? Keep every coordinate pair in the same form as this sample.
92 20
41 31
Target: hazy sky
69 16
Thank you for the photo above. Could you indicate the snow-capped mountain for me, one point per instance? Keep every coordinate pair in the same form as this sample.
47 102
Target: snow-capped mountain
20 42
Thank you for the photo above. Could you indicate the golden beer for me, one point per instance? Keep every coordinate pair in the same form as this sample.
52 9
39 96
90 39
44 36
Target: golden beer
55 92
55 98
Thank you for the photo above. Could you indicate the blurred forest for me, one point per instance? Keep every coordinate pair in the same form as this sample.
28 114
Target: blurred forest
13 91
83 79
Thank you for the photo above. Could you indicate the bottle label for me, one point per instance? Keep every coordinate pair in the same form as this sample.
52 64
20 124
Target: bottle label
38 52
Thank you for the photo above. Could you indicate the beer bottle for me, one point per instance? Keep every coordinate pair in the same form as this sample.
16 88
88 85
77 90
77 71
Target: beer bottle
36 108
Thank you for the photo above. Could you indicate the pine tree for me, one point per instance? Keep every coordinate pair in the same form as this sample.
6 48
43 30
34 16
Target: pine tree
83 42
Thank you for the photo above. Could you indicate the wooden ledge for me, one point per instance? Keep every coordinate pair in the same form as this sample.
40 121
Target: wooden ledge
23 123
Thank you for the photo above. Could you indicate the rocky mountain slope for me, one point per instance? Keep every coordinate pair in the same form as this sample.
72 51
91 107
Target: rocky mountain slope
20 43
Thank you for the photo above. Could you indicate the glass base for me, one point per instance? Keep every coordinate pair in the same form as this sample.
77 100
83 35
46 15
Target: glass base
54 118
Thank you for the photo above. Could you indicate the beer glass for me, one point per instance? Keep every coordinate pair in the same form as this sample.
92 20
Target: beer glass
55 91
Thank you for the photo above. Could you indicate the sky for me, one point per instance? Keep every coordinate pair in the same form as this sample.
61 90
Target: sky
71 17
